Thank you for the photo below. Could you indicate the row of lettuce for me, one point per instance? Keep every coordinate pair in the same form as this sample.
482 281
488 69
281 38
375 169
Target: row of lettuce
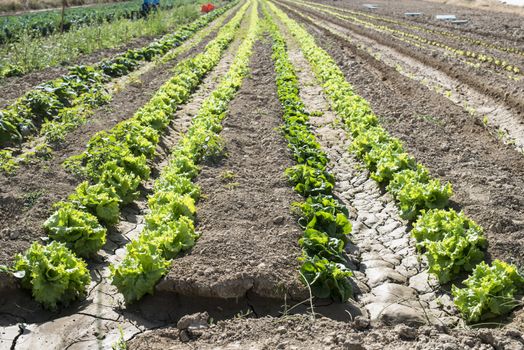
477 57
453 244
323 217
169 227
116 162
57 106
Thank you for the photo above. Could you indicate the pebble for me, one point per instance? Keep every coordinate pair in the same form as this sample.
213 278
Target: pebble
278 220
361 322
193 321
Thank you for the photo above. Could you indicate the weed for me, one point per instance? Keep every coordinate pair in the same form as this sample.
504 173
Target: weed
31 198
228 175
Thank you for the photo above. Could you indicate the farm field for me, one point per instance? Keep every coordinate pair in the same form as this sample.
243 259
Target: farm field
268 174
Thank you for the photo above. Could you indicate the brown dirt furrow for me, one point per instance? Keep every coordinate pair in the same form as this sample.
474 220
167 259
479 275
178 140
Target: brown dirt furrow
487 176
306 332
503 90
27 196
455 42
248 237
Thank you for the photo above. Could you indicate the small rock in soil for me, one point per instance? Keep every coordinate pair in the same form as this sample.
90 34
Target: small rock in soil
361 322
406 332
194 321
278 220
184 336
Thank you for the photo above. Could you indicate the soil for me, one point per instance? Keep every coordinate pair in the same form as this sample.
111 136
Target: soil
27 196
486 5
248 237
491 24
301 332
498 116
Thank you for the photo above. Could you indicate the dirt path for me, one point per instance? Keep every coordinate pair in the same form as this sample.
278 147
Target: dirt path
248 240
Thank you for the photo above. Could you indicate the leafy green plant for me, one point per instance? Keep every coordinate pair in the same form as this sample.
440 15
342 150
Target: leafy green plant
139 271
100 200
310 181
435 225
125 184
490 291
327 279
416 191
170 237
53 273
80 231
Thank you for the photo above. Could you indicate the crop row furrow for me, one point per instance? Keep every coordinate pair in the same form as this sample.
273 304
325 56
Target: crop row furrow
445 34
453 244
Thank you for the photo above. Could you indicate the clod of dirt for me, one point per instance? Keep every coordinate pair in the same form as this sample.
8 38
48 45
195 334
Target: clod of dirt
406 332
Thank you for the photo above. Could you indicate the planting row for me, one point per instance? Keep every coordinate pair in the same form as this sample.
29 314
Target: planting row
469 56
55 108
453 244
169 227
323 218
50 22
115 163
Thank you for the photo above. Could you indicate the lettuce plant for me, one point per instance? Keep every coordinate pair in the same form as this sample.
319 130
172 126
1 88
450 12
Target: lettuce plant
310 181
139 271
53 273
100 200
327 279
79 230
490 291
